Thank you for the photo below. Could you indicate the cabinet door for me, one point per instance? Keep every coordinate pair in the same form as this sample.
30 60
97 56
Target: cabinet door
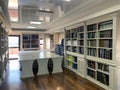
112 76
81 65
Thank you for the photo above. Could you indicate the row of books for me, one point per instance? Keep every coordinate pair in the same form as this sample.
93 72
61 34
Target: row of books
81 50
103 78
81 29
59 49
92 27
105 34
74 66
105 25
91 43
81 35
91 73
74 42
91 64
71 35
68 48
91 35
69 63
74 35
92 51
105 43
103 67
74 59
68 42
69 57
104 53
102 34
67 35
74 49
81 42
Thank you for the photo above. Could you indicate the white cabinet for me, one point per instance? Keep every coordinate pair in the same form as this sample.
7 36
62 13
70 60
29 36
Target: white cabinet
81 67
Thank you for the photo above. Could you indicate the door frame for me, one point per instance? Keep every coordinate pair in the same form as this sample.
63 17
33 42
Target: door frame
18 43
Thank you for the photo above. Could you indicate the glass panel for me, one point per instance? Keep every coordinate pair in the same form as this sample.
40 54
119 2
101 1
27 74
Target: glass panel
13 41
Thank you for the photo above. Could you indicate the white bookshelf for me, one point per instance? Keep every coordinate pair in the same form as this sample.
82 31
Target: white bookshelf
101 45
3 49
74 48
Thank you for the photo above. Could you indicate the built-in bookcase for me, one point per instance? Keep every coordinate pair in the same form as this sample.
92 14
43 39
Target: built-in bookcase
75 40
80 36
98 71
3 49
72 62
99 39
97 46
91 40
105 39
76 64
74 48
30 41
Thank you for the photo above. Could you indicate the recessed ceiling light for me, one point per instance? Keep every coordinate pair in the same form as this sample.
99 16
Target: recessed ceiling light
67 0
35 22
31 27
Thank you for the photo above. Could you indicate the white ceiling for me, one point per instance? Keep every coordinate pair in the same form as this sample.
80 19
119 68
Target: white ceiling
64 13
28 11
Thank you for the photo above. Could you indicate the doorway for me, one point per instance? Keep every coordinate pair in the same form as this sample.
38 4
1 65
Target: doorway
41 43
14 46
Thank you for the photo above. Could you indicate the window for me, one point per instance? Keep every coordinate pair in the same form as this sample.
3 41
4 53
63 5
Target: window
41 41
13 15
13 41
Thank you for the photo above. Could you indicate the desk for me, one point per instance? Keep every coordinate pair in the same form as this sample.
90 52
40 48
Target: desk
26 59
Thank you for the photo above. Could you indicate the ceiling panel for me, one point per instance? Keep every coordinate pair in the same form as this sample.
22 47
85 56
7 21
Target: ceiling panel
35 10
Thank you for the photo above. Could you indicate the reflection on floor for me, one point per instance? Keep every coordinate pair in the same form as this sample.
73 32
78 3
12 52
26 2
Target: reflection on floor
13 56
12 80
60 81
13 65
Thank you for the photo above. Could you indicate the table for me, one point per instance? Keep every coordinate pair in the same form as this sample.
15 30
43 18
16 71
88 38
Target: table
26 59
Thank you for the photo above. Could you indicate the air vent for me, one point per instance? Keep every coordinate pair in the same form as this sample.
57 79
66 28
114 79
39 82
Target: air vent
28 14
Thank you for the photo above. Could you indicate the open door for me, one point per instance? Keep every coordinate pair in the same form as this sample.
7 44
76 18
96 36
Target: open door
14 46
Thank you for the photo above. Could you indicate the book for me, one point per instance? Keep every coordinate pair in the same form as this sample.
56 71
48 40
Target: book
92 27
103 78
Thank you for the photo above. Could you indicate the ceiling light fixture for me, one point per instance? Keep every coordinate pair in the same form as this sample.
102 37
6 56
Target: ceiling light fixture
31 27
35 22
67 0
45 11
